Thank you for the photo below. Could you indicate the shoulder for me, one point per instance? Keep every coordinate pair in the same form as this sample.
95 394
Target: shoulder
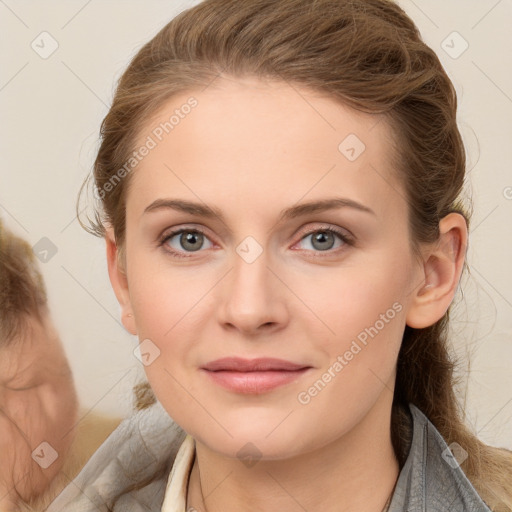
92 431
132 464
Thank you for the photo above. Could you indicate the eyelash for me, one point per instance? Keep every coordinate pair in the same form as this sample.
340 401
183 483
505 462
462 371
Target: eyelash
346 239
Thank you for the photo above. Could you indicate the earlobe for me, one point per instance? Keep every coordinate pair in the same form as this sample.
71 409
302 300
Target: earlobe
442 269
119 282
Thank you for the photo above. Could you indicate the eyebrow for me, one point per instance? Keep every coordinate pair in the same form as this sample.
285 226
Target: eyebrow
202 210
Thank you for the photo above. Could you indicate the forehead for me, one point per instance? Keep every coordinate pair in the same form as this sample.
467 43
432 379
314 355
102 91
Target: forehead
263 140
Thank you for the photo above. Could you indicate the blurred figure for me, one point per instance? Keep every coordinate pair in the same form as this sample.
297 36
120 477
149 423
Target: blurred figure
42 442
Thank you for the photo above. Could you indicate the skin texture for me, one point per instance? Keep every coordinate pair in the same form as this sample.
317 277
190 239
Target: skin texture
38 403
251 149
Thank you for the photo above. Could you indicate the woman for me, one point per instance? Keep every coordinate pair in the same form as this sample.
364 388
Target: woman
279 190
38 403
44 436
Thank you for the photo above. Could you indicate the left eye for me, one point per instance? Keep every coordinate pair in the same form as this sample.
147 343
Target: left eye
187 240
324 240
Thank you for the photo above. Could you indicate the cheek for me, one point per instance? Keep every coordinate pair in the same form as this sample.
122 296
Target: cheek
44 413
21 406
163 298
60 407
345 301
159 308
365 308
168 314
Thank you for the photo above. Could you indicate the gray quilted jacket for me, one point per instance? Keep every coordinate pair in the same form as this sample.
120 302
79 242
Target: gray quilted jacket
129 471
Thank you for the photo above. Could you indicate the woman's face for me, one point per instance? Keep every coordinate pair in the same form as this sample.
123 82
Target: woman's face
38 409
264 279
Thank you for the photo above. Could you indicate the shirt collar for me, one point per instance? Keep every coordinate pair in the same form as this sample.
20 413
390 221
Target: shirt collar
177 486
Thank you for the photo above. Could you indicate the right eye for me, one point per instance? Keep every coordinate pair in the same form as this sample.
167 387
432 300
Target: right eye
182 241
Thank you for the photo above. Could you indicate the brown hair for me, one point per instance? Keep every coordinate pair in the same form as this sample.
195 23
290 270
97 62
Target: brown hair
368 55
22 289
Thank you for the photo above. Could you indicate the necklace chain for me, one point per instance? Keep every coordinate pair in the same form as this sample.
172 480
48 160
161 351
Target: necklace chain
388 503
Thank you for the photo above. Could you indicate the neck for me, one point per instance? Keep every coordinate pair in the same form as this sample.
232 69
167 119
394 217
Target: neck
357 471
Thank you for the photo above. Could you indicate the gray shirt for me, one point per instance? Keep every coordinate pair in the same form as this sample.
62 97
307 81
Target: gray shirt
129 472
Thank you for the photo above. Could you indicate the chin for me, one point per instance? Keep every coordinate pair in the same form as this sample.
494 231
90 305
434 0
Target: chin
246 438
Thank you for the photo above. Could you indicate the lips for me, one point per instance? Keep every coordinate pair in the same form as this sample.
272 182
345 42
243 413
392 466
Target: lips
251 365
253 376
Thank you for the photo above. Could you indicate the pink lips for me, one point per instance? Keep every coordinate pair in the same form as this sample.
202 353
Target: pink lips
253 376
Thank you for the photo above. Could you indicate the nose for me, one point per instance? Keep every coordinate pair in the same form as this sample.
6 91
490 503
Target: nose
253 298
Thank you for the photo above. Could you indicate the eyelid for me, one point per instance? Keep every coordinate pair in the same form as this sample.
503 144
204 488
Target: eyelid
344 233
169 233
23 388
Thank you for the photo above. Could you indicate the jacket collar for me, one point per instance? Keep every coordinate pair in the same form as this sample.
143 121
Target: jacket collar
431 478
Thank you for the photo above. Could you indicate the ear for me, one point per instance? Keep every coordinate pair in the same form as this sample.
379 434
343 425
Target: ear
442 267
119 281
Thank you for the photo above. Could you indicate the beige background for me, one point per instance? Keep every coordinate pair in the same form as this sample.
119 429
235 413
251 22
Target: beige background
51 109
